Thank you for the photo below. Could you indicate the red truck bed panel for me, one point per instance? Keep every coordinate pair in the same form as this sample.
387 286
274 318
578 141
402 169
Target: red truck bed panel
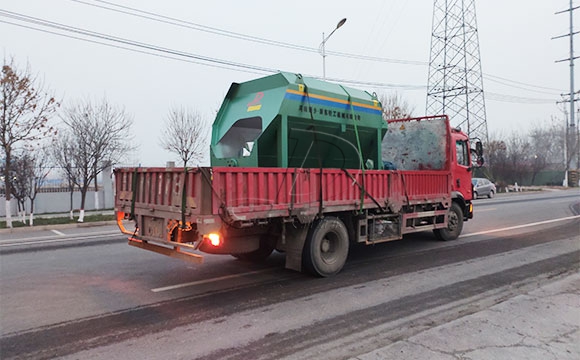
254 193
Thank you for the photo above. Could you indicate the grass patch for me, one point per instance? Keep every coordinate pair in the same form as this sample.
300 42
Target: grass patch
40 221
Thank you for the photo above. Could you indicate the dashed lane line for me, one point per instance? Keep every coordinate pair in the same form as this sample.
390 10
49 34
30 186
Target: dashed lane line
520 226
48 241
206 281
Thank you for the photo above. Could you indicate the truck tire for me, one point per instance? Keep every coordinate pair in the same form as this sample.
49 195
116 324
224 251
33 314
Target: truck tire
326 247
454 224
265 250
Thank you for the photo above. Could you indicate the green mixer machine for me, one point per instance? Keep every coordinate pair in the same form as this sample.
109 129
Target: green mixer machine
287 120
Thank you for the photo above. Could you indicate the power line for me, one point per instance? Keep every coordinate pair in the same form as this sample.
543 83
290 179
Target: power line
204 60
521 87
178 55
191 25
132 11
177 22
213 30
516 99
520 83
62 27
129 49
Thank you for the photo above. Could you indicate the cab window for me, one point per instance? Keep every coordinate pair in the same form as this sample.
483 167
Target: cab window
462 153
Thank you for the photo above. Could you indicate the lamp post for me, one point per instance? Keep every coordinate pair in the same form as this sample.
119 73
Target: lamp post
323 46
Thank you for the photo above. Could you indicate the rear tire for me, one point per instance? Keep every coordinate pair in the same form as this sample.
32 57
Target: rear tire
326 247
475 194
491 193
454 224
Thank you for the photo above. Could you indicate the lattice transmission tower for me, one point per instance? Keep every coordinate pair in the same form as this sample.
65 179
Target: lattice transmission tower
455 84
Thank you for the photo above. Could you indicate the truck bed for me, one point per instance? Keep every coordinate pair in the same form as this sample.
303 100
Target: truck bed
246 194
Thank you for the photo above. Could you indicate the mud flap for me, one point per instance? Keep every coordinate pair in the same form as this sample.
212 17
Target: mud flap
294 245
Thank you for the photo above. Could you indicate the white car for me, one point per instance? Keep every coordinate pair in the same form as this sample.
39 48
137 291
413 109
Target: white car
483 187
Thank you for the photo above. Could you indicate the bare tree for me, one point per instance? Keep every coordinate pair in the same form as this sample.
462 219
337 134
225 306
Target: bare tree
63 154
496 163
25 109
547 147
99 135
186 134
21 174
519 152
395 107
39 161
522 156
29 171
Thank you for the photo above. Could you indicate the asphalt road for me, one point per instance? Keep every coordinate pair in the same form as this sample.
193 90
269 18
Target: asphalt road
83 293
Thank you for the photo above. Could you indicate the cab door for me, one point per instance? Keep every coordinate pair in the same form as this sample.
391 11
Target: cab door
461 170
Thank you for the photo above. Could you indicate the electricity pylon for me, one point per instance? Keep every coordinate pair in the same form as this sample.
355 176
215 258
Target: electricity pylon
455 84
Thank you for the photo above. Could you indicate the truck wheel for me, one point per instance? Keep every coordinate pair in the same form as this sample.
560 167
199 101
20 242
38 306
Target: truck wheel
266 248
326 247
454 224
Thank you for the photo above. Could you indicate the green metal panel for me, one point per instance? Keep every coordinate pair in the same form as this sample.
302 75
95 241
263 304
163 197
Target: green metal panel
286 120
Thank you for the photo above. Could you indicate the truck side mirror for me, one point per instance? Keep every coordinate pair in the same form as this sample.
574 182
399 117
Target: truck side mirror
477 156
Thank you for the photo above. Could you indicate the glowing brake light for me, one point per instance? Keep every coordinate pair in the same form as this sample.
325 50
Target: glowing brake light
214 239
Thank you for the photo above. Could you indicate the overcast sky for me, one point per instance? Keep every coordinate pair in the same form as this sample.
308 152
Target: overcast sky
514 36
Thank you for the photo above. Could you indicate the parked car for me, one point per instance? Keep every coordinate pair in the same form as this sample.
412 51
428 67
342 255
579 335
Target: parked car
483 187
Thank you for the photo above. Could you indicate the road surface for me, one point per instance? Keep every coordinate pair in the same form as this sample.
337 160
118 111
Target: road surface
83 293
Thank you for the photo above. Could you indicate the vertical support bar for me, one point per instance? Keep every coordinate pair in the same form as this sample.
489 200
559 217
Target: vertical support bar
283 142
572 121
379 159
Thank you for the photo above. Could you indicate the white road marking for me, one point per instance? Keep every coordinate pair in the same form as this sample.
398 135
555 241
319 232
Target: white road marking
20 242
521 226
58 232
50 237
562 201
206 281
476 210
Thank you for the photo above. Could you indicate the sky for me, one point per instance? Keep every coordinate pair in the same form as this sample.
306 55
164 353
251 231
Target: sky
522 81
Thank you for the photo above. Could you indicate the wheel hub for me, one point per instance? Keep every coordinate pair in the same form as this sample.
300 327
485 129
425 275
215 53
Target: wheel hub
453 221
325 246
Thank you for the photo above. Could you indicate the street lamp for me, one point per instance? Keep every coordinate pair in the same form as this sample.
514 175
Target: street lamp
322 47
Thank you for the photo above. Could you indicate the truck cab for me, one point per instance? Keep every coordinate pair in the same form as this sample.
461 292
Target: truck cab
430 143
463 159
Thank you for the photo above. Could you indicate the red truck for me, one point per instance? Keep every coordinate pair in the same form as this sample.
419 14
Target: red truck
310 214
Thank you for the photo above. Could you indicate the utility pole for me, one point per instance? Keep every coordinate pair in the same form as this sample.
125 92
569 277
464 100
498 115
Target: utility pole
571 177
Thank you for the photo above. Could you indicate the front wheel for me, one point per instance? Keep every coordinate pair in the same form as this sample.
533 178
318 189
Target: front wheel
326 247
454 224
491 193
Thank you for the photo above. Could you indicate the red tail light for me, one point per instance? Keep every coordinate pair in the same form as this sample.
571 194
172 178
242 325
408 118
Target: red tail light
214 239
